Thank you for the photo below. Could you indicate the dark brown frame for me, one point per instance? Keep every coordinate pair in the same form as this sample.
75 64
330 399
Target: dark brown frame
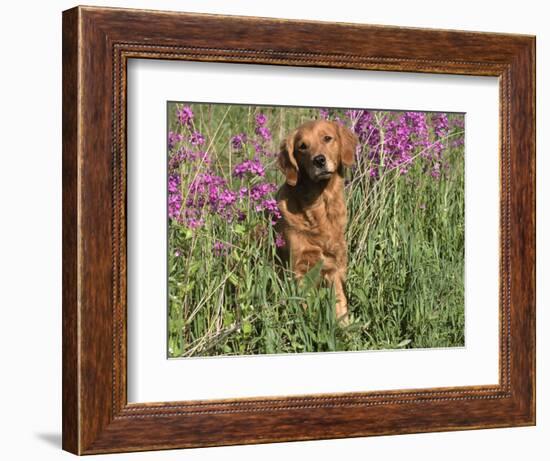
97 43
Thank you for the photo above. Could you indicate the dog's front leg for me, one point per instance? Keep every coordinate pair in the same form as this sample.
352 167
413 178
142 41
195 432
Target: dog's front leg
341 301
337 281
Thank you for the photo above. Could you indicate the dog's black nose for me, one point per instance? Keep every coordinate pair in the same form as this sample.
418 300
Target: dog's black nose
320 161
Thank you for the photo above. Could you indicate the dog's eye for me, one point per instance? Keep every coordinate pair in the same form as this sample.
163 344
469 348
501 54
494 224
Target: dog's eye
328 138
302 146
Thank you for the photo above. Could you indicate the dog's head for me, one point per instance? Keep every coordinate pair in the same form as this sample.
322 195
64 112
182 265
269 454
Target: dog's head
317 150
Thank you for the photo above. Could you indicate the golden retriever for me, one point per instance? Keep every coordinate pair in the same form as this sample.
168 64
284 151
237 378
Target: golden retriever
312 202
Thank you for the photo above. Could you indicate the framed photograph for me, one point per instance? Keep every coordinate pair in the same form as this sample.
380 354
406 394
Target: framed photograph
282 230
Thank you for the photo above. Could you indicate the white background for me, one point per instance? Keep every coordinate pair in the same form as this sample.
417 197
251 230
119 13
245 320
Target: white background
153 378
30 247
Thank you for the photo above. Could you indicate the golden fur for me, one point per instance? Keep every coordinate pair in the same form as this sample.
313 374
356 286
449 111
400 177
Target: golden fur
312 202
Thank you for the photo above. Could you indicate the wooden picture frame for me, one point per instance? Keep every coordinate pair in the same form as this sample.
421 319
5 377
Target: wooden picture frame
97 43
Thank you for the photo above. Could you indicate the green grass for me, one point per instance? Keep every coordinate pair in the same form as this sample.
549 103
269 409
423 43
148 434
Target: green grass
405 281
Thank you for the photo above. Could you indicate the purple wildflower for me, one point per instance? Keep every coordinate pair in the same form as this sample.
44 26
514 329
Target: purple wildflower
258 148
261 119
264 133
354 115
219 249
279 240
436 150
173 138
394 141
398 144
194 223
323 113
226 198
416 121
458 142
205 189
254 167
259 191
174 196
440 124
238 141
196 138
205 181
174 206
185 116
457 122
373 173
175 160
270 205
174 182
364 126
184 155
436 172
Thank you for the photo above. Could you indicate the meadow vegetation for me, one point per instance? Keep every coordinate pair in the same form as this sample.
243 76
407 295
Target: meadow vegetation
405 201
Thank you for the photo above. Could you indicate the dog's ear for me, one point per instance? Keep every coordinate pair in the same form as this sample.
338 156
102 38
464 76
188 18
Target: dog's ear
348 145
287 161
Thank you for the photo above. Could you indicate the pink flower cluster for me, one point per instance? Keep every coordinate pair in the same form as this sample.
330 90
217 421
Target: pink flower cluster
393 141
253 167
209 195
